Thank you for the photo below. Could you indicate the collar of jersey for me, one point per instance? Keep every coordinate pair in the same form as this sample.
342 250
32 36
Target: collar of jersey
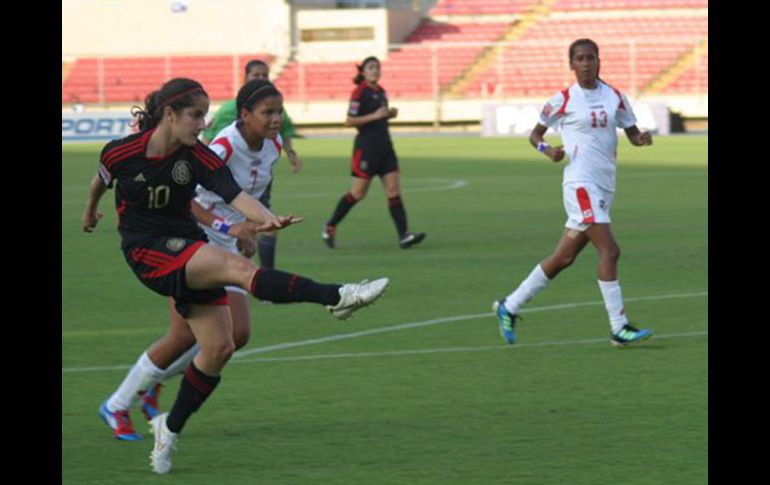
146 140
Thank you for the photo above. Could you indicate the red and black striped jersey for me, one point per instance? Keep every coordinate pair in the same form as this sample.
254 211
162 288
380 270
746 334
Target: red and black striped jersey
366 100
153 195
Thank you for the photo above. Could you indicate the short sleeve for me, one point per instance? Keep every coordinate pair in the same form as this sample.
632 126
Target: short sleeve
552 110
104 172
214 175
624 116
356 100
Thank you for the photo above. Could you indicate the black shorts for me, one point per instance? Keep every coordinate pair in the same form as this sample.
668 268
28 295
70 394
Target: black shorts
159 263
371 159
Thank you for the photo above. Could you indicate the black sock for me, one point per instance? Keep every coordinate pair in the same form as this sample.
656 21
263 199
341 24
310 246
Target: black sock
398 213
266 249
280 287
346 203
194 389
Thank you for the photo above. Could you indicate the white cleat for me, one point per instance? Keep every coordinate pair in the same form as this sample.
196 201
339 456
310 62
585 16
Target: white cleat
357 295
165 442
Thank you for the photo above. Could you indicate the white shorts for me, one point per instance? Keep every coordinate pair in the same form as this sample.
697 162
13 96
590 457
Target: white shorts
586 204
229 244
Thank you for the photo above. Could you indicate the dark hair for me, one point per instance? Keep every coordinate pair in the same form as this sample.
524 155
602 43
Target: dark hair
178 93
360 76
255 62
582 42
252 92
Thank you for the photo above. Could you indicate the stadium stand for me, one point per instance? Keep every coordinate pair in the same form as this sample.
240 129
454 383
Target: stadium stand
665 36
129 79
528 71
482 7
574 5
407 73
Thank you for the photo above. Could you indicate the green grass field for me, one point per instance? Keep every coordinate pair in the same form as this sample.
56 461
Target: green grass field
444 400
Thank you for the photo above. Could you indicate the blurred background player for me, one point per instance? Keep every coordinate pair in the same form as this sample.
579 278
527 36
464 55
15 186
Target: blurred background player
588 113
156 171
227 113
373 154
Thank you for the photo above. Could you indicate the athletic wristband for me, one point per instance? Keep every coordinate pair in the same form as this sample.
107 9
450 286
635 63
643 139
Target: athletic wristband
542 146
220 225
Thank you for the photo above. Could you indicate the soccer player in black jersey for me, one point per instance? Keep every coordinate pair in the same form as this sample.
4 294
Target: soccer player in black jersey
373 154
155 173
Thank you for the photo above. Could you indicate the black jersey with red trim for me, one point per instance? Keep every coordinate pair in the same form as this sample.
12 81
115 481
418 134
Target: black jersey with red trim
366 100
153 195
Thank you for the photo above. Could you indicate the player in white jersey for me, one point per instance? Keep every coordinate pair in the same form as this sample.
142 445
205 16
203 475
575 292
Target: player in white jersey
588 114
249 147
252 168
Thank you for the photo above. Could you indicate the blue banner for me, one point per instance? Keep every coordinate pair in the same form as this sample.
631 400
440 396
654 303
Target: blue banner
95 126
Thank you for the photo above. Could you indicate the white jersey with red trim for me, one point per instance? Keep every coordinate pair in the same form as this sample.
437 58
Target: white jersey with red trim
588 119
252 169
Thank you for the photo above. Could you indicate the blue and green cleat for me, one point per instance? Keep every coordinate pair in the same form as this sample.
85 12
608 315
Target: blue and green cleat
629 335
507 321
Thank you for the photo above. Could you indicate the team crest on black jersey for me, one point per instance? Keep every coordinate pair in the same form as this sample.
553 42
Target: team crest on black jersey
175 244
181 172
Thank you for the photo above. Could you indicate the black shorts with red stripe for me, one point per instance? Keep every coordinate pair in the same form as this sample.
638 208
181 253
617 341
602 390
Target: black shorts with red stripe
159 263
371 159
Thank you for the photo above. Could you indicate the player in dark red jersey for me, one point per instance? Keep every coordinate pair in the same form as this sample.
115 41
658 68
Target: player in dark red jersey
373 154
157 171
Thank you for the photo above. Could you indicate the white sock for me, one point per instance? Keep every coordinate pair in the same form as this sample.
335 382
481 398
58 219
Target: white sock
180 364
613 302
531 286
141 376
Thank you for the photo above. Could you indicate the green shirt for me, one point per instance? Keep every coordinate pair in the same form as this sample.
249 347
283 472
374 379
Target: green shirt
228 113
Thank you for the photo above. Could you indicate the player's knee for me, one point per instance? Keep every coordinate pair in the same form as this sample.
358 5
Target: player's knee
241 336
358 194
565 260
221 352
240 269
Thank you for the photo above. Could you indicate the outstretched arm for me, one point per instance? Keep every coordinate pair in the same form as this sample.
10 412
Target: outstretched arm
254 211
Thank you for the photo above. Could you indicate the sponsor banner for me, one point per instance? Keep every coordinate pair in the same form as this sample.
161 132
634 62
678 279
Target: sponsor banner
518 119
95 126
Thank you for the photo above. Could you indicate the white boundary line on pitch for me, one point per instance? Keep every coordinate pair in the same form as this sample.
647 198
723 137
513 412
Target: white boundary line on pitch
344 336
404 326
702 333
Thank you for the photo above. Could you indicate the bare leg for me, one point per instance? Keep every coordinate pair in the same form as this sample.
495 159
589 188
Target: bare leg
570 245
177 340
609 251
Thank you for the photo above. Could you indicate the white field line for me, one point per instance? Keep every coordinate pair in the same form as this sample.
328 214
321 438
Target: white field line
331 338
403 326
458 349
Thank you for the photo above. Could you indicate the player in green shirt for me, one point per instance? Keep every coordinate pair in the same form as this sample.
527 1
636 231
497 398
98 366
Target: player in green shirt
227 113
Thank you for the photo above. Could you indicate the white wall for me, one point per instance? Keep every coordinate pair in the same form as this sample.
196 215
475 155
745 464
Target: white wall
149 27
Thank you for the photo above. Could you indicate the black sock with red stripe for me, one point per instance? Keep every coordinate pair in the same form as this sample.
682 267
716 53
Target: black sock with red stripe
398 213
280 287
195 388
343 207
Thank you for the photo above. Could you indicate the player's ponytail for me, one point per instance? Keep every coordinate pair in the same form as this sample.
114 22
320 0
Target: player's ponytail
177 93
360 76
